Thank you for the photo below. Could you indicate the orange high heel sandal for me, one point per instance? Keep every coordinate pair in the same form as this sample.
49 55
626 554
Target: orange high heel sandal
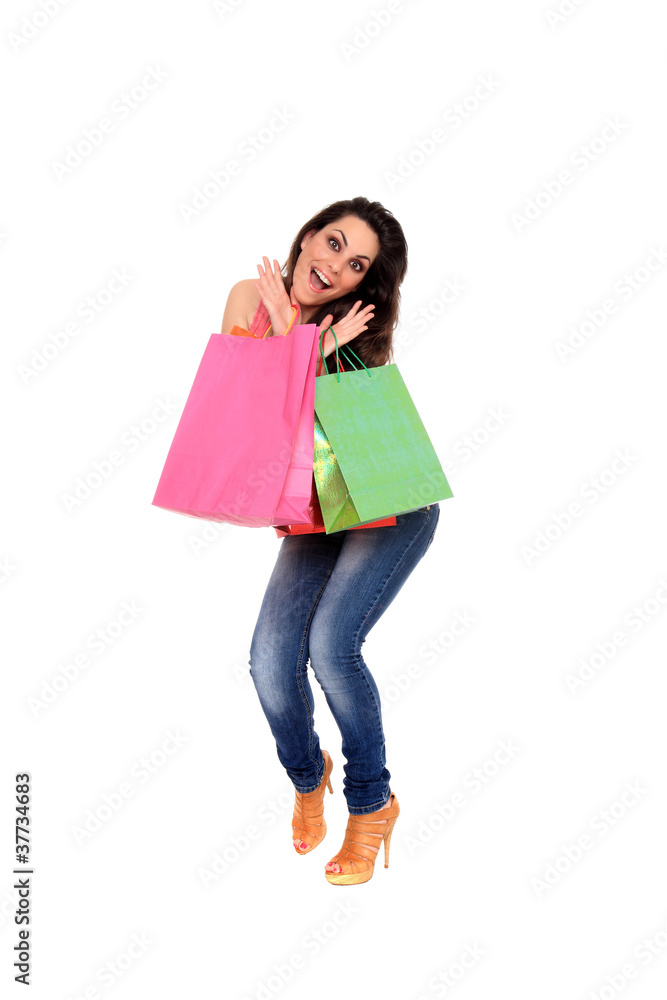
363 830
308 823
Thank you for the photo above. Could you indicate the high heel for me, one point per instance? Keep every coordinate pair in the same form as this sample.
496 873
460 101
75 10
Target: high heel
308 823
355 857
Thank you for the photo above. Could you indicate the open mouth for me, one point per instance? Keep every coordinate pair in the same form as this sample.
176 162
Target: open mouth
318 280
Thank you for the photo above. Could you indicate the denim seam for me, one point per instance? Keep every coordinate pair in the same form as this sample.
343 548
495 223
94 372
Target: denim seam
354 810
300 684
432 533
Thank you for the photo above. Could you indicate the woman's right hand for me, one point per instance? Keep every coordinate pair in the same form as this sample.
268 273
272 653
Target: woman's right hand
271 288
347 328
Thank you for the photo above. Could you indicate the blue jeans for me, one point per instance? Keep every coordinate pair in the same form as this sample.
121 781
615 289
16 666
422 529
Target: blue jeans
323 597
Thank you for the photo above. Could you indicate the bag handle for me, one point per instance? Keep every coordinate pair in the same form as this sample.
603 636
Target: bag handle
345 347
322 366
348 348
295 311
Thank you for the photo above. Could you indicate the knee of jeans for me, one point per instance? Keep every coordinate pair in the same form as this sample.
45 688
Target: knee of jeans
328 647
269 652
262 652
319 637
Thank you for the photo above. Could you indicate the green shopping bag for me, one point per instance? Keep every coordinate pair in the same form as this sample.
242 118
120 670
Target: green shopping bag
372 457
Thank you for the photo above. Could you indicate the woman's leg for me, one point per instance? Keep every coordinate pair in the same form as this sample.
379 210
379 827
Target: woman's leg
371 568
279 651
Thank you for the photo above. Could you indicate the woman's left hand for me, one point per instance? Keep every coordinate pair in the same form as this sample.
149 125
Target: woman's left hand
347 328
271 288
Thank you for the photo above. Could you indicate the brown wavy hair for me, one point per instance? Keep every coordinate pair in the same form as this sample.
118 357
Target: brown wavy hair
380 284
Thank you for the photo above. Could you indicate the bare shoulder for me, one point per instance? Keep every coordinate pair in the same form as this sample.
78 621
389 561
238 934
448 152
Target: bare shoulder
246 288
241 306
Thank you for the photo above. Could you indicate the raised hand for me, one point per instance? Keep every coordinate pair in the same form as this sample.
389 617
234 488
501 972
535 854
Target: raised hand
347 328
271 288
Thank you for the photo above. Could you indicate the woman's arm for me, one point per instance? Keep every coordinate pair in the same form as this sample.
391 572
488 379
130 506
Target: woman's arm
238 305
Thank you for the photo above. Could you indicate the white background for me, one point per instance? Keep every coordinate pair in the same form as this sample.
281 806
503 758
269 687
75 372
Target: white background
493 879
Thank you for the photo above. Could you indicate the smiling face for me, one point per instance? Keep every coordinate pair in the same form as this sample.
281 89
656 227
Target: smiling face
342 253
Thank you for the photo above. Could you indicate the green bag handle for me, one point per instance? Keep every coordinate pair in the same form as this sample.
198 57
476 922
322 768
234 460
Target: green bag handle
345 347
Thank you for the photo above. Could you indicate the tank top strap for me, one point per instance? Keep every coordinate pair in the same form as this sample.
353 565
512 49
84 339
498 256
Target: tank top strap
259 320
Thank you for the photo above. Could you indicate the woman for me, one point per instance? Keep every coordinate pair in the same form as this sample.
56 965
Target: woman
327 591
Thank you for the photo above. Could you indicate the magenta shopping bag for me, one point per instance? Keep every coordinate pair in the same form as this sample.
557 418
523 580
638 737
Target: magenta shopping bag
243 448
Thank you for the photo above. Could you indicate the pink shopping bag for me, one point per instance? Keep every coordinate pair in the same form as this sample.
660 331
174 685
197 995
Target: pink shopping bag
243 448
